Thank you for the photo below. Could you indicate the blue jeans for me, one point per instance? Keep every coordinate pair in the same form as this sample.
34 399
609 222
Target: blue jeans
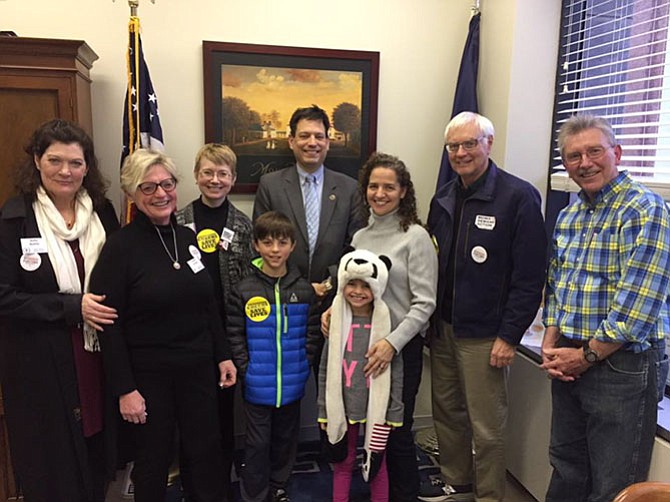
603 428
663 365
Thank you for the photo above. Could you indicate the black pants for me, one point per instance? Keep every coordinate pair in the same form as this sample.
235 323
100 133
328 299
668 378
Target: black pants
270 449
95 446
226 398
403 470
187 398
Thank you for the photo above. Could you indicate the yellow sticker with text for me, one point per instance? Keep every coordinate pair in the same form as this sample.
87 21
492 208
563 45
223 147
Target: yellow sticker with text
257 309
207 240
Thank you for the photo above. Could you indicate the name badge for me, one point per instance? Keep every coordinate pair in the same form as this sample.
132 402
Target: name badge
195 264
33 245
484 222
227 235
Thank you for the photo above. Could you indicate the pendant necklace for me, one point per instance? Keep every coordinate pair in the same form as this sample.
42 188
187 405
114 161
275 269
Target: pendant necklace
175 260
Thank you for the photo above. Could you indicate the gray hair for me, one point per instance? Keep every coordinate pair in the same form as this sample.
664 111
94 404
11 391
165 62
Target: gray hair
578 123
484 125
136 165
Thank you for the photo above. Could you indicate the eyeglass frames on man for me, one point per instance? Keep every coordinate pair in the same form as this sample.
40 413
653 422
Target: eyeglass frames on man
592 153
467 145
149 187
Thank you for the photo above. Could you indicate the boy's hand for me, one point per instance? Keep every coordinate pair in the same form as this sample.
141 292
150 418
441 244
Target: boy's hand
323 426
227 374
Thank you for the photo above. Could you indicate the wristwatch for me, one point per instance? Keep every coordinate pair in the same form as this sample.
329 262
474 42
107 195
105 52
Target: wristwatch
590 355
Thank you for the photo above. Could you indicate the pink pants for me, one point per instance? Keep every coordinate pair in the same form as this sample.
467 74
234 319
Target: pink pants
343 471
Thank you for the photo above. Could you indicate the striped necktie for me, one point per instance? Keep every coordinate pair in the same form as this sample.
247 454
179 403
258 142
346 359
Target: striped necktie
311 212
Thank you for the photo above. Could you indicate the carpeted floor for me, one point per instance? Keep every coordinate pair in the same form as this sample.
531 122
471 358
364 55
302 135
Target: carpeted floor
312 480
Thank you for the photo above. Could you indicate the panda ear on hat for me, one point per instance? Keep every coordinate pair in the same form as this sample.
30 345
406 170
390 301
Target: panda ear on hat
386 260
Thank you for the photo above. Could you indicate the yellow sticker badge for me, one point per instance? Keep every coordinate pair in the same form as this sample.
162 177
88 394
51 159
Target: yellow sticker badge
257 309
207 240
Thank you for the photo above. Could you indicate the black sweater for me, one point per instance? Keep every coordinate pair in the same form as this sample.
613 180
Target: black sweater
168 318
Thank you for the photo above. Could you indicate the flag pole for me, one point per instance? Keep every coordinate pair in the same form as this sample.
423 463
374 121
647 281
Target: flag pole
141 123
134 4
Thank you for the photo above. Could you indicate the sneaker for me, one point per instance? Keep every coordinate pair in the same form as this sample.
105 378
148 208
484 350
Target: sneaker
437 491
279 495
433 490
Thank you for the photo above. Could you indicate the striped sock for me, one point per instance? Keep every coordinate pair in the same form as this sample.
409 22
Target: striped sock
379 437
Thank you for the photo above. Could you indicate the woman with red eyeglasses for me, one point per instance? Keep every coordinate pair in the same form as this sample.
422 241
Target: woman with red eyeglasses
159 354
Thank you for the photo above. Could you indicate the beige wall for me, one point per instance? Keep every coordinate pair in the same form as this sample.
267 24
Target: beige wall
420 45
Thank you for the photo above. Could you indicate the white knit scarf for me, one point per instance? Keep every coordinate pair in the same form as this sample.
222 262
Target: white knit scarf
91 234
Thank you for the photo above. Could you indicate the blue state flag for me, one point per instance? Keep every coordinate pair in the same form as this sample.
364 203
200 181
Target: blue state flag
465 98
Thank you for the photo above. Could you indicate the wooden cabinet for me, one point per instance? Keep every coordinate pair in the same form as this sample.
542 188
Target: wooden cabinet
40 79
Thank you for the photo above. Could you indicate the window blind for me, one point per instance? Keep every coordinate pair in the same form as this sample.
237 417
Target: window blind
612 63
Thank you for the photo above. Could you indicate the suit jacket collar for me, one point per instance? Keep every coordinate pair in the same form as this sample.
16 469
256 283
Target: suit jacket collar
329 195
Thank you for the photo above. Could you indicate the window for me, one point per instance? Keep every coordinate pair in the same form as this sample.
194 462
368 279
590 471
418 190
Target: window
612 63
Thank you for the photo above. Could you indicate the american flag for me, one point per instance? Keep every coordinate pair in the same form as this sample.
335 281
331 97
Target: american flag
141 123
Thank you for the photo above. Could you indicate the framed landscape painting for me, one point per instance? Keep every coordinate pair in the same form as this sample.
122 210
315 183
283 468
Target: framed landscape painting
252 90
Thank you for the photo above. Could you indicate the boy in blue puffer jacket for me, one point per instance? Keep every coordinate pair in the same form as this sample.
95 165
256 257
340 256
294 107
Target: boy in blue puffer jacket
272 329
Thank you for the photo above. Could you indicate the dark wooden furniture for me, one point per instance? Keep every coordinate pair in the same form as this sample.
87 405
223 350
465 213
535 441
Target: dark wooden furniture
40 79
645 492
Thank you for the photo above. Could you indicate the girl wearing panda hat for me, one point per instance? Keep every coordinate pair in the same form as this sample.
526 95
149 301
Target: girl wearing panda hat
348 396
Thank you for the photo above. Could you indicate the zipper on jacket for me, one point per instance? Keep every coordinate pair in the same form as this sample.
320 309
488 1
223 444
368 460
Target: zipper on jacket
278 333
456 253
285 318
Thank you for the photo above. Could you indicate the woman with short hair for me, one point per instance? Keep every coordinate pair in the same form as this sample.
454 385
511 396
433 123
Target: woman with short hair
223 233
159 354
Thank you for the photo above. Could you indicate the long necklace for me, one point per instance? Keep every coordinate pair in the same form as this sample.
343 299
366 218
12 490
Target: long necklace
175 260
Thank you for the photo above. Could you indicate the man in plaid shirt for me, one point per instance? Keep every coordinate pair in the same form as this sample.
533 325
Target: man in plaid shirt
606 315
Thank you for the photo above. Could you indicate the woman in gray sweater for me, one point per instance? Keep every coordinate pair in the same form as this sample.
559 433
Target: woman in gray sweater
394 229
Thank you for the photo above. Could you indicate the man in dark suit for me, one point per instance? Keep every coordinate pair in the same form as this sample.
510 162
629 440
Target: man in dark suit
337 201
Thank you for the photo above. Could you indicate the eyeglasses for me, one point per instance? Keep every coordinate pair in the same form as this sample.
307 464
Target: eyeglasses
467 145
210 175
149 187
593 153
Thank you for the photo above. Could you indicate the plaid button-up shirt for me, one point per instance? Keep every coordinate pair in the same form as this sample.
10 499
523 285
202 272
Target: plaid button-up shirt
609 274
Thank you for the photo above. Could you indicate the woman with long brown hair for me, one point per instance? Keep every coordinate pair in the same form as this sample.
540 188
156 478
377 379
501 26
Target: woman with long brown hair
59 416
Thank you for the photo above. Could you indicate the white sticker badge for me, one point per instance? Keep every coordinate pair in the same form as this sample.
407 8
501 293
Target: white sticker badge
484 222
227 235
195 252
33 245
195 264
479 254
30 262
